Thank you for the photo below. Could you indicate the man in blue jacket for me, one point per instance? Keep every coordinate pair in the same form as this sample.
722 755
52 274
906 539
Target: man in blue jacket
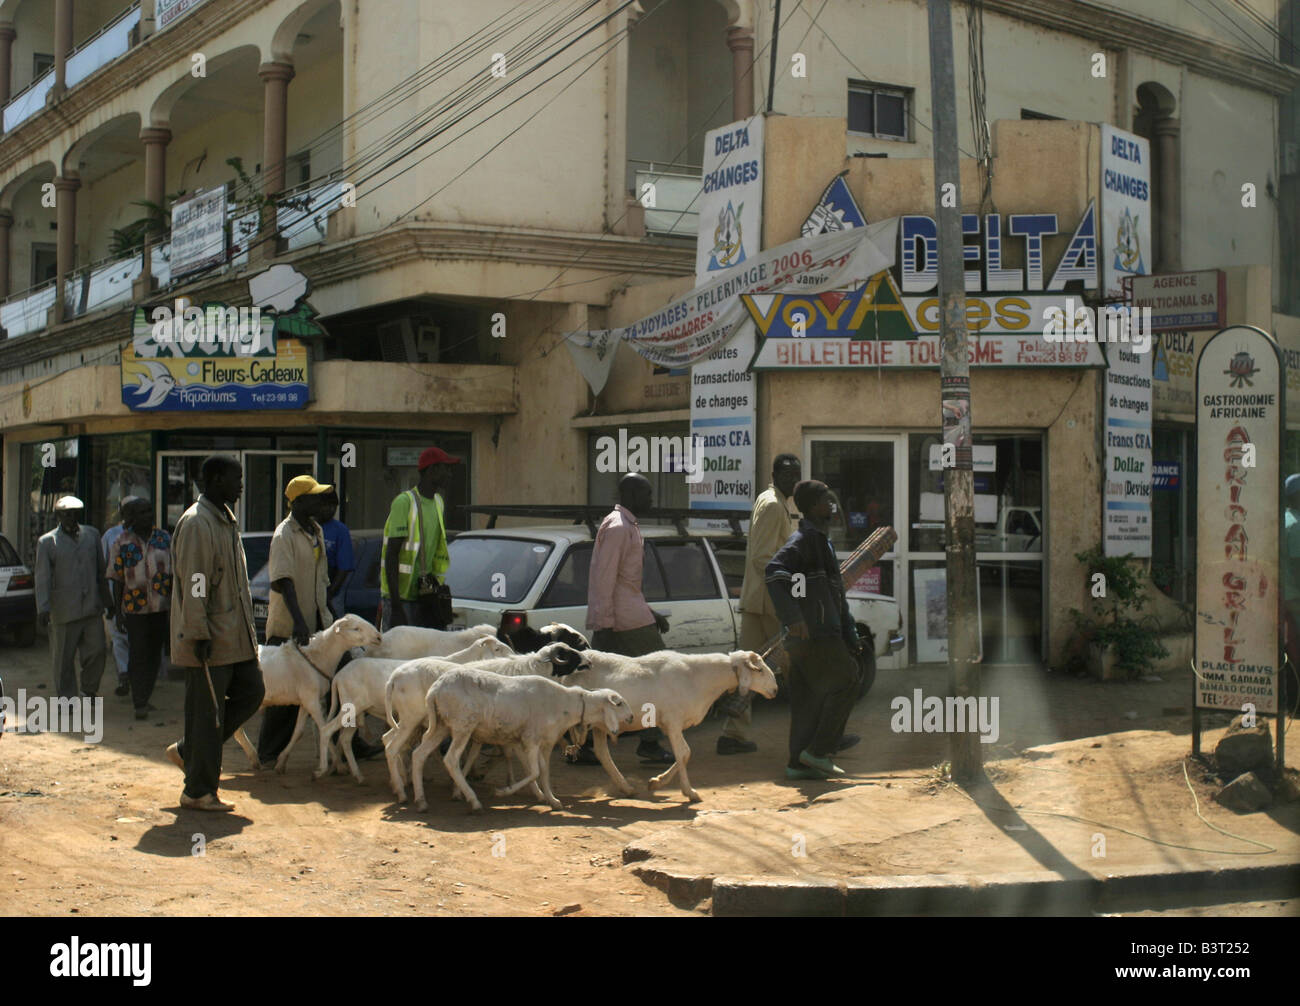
804 582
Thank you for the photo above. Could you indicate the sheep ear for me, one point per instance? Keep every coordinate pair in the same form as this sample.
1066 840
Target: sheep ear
754 661
613 701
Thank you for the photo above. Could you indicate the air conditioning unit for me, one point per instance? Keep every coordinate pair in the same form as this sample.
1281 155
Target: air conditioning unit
402 342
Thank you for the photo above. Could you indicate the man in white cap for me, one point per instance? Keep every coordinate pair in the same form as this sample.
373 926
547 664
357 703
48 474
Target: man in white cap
71 595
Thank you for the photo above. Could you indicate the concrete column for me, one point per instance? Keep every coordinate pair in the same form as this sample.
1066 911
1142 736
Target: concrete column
6 222
275 106
62 44
65 202
741 43
155 140
7 36
1169 244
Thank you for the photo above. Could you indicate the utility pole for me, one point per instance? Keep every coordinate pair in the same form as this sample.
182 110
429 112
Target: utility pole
958 477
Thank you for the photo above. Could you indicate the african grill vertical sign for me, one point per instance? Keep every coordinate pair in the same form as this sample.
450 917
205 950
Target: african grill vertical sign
1238 520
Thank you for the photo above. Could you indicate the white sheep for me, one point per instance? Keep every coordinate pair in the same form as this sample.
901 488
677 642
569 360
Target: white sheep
528 713
406 708
301 677
409 642
677 689
358 688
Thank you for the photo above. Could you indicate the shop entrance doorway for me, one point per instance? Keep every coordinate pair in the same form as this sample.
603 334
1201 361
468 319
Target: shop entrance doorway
266 473
896 479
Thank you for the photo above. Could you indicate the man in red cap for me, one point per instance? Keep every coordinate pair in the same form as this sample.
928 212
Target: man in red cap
414 559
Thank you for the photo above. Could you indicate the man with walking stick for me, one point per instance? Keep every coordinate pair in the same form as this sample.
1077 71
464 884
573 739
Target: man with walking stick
212 632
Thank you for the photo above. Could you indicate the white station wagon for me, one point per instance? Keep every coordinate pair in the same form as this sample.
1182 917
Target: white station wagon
530 576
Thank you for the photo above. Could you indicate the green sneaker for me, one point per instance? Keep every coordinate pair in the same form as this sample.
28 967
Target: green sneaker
803 773
823 765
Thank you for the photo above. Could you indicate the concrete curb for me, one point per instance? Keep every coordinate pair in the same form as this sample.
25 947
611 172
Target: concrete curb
1001 895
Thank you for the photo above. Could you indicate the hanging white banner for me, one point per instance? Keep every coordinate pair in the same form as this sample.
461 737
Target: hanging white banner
593 352
691 327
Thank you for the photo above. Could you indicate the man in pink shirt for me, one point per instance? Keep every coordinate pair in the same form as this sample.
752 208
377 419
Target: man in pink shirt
618 617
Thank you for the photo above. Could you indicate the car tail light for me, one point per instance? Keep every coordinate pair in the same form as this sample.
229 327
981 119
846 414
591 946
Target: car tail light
513 621
20 581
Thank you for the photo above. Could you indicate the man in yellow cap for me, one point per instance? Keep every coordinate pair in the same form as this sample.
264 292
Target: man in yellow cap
298 606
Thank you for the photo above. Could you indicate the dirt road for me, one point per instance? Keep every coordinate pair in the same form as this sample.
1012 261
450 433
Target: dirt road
96 829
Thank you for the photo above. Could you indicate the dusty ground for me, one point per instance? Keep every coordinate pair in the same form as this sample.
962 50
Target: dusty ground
96 829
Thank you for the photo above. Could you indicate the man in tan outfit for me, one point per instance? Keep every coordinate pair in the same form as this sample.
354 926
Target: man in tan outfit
771 523
212 624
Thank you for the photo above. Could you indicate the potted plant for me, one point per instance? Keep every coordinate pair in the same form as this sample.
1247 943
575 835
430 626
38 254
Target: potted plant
1119 643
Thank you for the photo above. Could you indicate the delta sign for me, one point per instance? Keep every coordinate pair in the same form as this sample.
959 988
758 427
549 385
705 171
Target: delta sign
893 320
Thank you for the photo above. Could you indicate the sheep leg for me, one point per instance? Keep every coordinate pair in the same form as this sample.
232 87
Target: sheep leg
600 744
432 738
304 711
345 742
470 759
545 768
326 755
529 758
452 760
249 750
682 752
394 741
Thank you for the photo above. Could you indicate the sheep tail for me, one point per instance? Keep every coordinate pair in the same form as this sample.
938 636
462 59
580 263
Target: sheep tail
388 703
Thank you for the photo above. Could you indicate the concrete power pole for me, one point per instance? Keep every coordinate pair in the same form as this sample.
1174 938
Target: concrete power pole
958 477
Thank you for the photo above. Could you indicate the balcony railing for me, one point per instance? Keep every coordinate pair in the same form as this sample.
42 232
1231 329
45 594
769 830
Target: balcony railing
109 43
301 217
676 190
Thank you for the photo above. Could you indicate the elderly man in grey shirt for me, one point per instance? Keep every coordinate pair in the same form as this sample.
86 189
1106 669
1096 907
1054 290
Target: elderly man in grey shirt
71 594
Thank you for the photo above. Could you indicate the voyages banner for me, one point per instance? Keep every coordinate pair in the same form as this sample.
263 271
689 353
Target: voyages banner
692 326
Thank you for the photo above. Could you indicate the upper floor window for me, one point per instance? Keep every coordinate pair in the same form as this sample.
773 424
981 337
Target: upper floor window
878 111
42 63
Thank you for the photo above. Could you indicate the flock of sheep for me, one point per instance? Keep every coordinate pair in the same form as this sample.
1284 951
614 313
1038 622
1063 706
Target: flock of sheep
471 687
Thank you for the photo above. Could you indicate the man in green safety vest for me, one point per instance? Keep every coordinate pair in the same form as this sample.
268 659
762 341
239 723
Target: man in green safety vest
415 548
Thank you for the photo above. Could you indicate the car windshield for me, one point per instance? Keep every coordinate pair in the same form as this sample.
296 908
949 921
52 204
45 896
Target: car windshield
8 557
494 568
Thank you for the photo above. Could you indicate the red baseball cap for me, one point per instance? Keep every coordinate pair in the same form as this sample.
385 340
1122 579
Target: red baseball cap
435 456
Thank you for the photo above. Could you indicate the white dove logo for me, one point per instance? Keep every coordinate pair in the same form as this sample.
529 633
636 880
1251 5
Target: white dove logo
156 387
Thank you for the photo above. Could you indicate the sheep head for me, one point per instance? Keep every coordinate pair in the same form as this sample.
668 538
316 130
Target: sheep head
606 708
355 631
558 632
487 647
563 659
753 674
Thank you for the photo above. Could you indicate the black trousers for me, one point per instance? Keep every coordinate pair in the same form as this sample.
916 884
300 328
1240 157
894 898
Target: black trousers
145 635
239 691
823 683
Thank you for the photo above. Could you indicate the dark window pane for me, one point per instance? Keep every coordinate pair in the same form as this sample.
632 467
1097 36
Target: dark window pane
861 117
652 578
569 587
475 563
730 553
890 115
690 577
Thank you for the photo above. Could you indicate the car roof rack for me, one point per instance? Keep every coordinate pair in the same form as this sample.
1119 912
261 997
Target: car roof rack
580 513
